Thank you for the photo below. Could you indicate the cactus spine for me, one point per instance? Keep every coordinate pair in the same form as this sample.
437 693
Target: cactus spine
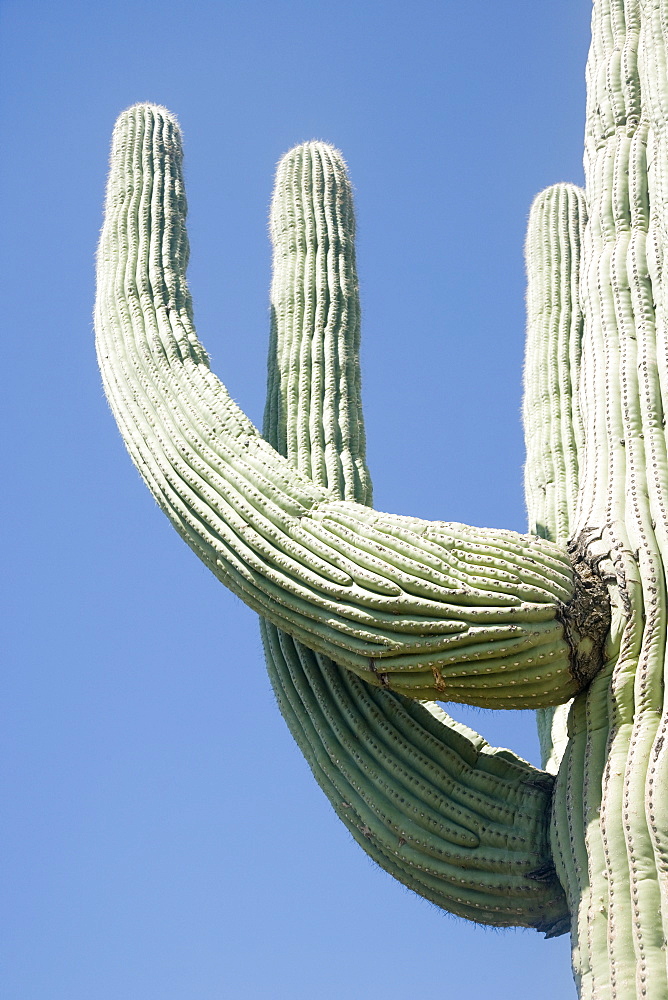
365 615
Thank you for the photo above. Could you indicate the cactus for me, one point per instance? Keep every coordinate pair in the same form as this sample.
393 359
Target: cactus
366 617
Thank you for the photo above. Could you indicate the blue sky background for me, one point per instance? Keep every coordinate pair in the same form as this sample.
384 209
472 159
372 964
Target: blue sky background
163 838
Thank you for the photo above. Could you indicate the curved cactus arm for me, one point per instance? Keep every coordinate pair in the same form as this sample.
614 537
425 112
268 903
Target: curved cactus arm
428 608
456 821
553 428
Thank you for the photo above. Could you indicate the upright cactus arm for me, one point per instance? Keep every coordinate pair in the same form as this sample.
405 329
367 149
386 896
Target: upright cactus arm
610 822
313 414
426 608
553 427
458 822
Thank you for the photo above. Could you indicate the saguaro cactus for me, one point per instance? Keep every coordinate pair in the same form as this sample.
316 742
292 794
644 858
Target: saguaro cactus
366 615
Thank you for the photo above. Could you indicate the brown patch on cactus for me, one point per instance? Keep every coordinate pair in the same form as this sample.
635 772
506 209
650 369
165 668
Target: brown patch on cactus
586 618
439 683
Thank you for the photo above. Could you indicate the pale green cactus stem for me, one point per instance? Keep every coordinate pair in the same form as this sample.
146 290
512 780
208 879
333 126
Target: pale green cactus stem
427 608
552 421
457 821
361 609
553 426
609 823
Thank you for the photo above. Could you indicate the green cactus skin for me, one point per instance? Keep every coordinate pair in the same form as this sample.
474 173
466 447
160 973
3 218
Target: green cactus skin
460 823
365 615
553 426
426 608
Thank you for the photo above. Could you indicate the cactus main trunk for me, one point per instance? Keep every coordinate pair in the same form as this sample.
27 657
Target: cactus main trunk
362 611
606 490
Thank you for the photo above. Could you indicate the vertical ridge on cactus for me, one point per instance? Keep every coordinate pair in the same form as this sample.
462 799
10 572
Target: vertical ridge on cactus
552 419
363 611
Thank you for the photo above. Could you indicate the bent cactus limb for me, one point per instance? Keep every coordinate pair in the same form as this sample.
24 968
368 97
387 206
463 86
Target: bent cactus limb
362 609
429 609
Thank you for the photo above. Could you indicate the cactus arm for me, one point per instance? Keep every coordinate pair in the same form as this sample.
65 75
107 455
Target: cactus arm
552 726
459 823
313 413
553 428
552 421
433 609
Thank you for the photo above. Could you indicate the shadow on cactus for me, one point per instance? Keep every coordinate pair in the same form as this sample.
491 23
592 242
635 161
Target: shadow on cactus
366 617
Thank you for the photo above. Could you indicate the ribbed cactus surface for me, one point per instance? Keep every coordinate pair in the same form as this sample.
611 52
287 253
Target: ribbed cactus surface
460 823
364 615
431 609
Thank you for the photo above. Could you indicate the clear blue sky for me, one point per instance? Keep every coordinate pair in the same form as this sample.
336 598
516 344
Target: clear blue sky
163 839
